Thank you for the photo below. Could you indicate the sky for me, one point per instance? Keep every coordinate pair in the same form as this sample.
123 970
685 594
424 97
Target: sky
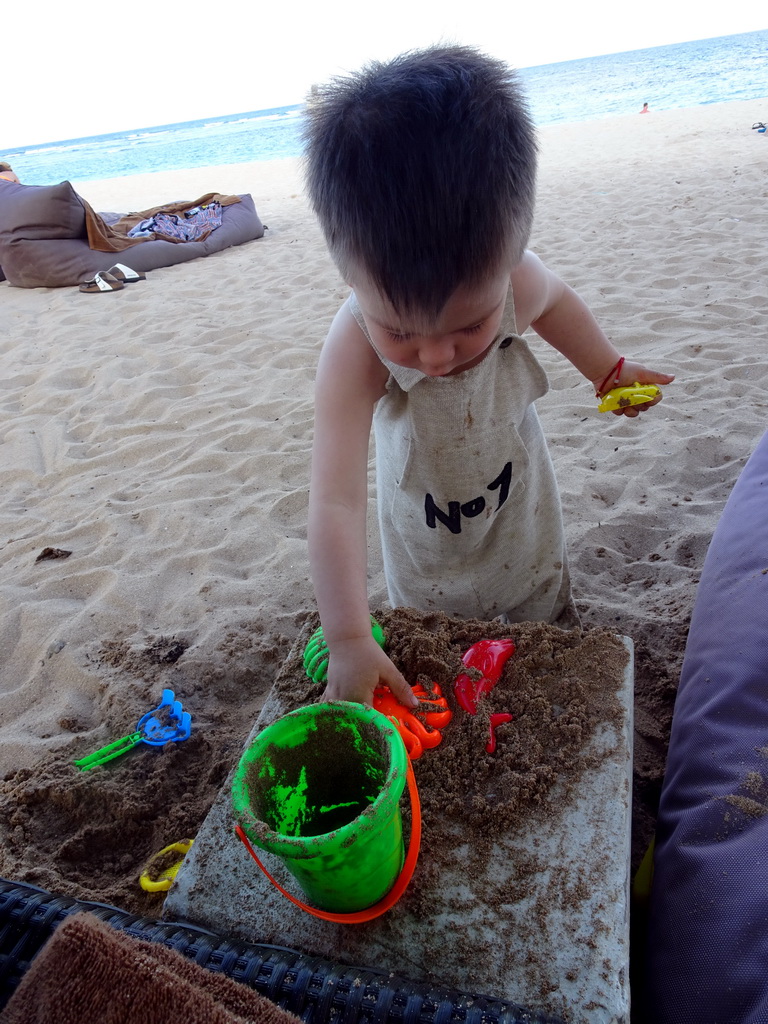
80 69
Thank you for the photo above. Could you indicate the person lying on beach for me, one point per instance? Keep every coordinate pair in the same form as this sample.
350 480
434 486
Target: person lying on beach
7 173
422 174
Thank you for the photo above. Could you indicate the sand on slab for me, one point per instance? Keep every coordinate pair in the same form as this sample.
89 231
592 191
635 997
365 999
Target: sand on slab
521 886
162 435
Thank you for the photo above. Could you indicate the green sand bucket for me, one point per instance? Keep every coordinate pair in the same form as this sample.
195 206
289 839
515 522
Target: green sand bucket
320 788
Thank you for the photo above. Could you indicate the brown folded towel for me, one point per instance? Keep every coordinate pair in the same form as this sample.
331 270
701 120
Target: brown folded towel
89 973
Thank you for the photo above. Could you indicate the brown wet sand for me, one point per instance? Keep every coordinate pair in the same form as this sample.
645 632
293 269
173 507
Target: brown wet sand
89 834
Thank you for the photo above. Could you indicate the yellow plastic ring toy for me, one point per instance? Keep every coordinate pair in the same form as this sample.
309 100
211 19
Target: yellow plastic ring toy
163 882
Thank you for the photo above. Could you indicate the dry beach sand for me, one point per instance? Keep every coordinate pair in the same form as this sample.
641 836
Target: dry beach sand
161 434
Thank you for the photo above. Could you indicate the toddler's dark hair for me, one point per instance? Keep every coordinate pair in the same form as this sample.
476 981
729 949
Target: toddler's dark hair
422 171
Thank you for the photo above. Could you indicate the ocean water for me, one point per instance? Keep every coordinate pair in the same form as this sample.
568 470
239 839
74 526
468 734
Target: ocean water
665 77
682 75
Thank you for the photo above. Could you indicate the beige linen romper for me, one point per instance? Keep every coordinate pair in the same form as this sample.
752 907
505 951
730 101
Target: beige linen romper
469 509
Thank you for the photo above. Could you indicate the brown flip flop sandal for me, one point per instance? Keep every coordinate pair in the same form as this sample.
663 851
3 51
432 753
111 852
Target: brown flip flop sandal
102 282
125 274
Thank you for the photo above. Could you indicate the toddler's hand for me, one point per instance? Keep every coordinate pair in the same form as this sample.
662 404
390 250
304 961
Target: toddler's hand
636 373
357 666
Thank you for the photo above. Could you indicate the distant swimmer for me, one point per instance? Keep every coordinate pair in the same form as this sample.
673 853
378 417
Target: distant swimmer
645 109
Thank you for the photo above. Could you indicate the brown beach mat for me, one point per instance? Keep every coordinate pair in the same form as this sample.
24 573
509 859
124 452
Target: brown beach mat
89 973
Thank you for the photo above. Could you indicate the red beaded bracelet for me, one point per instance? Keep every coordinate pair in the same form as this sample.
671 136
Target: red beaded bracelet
614 372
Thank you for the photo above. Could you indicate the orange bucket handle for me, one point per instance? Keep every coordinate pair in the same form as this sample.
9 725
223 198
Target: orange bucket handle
394 894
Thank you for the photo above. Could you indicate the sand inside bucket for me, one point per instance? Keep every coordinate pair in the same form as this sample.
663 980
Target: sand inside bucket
312 787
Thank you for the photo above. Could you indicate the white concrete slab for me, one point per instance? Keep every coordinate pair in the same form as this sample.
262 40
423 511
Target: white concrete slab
554 937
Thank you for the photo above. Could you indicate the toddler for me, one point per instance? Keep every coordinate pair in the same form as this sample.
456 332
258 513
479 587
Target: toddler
422 174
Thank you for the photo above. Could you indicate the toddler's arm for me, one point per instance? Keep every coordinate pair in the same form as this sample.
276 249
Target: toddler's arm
562 318
350 379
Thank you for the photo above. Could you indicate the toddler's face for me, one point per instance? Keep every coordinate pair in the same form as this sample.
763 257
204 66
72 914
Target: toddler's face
456 341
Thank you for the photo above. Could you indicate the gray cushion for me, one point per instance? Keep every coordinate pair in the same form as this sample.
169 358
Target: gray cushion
36 254
40 211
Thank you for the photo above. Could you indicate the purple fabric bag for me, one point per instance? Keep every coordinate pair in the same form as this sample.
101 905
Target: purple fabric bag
707 950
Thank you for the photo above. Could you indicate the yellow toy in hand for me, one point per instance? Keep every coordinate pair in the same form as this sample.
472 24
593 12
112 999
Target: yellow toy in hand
634 394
